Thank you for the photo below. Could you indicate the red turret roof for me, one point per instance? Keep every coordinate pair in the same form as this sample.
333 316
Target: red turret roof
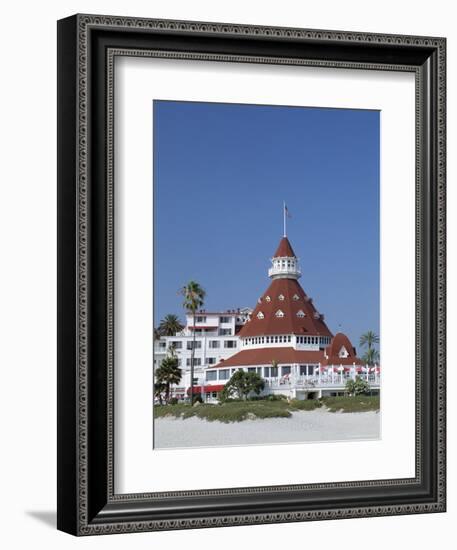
337 344
284 249
299 316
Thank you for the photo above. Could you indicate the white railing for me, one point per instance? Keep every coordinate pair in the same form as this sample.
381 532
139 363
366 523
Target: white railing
305 382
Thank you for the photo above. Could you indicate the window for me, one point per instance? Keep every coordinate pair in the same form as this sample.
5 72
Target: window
267 298
200 319
285 370
211 375
224 374
279 313
266 372
316 315
224 319
343 352
230 344
296 297
176 344
281 297
225 331
198 345
273 372
211 360
214 344
197 361
260 315
276 339
162 345
251 369
306 370
300 313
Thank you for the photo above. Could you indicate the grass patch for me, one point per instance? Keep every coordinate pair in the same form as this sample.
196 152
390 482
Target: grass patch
305 404
236 411
359 403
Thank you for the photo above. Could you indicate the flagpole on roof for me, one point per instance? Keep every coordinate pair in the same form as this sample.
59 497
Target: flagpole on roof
284 217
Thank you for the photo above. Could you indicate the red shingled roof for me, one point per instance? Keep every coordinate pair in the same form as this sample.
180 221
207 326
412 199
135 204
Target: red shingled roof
284 249
312 324
265 356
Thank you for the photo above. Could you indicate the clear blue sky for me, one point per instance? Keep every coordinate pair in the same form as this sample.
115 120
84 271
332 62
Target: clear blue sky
221 173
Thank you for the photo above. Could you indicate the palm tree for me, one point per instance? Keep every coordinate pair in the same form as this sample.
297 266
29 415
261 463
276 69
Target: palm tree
194 298
371 357
369 339
159 388
168 373
170 325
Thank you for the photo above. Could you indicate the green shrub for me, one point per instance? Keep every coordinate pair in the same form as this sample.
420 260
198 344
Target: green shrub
358 386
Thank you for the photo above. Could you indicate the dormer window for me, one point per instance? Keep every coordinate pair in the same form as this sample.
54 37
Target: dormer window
267 298
279 313
317 315
301 314
296 297
281 297
260 315
343 352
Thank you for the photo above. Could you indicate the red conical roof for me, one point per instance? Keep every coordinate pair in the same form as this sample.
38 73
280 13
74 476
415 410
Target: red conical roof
285 309
284 249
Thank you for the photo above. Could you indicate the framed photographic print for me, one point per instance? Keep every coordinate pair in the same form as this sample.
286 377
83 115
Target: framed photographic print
251 274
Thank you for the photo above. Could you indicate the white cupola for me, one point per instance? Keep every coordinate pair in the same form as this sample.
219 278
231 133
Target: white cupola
284 262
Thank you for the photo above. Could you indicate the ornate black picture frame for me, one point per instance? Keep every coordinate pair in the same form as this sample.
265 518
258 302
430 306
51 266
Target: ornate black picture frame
87 503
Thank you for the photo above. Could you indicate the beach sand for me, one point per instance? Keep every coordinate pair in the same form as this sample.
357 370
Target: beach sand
303 426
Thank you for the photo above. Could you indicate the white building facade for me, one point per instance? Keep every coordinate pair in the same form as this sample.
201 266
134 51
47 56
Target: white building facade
216 339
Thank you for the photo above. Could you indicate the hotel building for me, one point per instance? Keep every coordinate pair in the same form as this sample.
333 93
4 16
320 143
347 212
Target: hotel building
284 339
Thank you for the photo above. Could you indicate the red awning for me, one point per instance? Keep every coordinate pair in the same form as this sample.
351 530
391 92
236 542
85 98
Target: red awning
205 389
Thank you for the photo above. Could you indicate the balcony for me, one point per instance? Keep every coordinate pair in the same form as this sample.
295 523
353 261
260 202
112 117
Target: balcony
317 382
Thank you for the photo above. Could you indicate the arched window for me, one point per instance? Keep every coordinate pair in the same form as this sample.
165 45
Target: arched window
260 315
279 313
267 298
300 313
